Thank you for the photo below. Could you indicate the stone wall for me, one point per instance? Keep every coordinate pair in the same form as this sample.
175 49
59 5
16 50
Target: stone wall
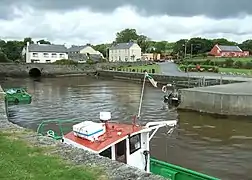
113 169
217 100
22 70
181 81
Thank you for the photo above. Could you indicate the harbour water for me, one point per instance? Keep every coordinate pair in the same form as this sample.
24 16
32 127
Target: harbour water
211 145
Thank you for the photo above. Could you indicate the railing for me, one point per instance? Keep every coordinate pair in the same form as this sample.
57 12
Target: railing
56 128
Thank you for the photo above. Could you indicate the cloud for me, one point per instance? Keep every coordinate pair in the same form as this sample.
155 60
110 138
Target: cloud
211 8
83 25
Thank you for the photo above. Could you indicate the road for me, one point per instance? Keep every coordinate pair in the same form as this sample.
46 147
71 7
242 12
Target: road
171 69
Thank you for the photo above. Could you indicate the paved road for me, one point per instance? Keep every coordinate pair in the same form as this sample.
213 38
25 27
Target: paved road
170 68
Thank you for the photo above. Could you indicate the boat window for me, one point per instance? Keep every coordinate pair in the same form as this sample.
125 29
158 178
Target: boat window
135 143
106 153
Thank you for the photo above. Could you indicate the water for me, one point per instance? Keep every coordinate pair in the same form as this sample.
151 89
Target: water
217 147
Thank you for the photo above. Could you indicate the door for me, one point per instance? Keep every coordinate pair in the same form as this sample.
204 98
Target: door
120 151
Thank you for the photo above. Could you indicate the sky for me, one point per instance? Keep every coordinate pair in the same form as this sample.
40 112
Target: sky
97 21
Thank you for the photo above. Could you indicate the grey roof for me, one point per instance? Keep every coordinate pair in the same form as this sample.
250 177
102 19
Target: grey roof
122 45
74 48
230 48
47 48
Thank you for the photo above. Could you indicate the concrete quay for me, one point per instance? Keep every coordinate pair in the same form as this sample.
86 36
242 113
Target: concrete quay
229 99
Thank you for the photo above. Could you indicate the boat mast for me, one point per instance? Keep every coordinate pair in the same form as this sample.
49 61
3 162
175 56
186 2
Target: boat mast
141 98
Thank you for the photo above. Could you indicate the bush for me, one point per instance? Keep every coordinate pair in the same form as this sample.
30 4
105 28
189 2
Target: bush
238 64
229 63
65 62
203 68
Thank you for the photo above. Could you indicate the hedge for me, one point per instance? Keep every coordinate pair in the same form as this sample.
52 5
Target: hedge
203 68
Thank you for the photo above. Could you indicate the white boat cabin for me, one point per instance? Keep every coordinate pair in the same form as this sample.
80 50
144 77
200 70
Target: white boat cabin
127 143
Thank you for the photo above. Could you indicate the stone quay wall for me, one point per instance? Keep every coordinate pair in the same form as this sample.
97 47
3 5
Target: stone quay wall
22 70
181 81
114 170
230 99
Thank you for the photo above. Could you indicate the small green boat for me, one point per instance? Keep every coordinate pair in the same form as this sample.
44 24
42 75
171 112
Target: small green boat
17 96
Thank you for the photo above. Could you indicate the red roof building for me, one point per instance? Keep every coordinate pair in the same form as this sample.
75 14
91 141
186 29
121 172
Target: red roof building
228 51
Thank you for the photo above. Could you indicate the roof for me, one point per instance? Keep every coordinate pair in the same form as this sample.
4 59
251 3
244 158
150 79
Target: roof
74 48
230 48
122 45
107 139
47 48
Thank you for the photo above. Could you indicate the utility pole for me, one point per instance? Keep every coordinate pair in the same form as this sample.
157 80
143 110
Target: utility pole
191 50
185 49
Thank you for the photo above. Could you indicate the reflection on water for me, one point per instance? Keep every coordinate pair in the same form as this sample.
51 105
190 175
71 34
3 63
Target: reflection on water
218 147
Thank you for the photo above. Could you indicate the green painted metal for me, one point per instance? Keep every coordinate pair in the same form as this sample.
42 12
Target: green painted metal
17 96
174 172
56 128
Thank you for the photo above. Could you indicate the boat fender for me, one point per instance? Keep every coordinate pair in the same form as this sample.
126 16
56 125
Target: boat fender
50 133
164 89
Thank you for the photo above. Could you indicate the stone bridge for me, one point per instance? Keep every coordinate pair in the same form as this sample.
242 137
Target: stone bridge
37 69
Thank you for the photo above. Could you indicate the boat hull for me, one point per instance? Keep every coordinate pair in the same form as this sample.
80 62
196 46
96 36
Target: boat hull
174 172
17 96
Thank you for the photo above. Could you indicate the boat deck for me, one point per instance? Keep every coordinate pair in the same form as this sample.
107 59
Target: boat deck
115 132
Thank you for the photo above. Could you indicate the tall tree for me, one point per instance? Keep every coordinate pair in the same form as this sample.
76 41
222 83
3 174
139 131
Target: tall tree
126 35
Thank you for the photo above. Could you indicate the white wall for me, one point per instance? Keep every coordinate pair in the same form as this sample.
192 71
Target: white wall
43 57
137 159
125 54
90 50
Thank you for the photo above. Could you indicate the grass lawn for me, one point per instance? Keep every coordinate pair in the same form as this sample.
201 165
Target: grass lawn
19 160
236 71
248 59
144 67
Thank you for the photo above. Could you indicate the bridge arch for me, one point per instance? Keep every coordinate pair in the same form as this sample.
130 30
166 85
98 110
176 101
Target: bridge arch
34 72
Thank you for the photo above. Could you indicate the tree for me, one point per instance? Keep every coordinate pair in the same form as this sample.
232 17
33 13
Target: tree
3 57
42 41
103 48
246 45
126 35
27 39
143 42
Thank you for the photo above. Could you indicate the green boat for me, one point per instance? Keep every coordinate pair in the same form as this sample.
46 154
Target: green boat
17 96
126 143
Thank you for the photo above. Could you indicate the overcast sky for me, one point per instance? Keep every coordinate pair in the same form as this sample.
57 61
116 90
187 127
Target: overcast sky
97 21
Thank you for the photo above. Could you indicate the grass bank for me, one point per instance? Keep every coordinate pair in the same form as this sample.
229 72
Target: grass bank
220 59
20 160
149 68
236 71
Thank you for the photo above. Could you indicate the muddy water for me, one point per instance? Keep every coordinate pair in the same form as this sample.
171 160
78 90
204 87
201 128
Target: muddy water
218 147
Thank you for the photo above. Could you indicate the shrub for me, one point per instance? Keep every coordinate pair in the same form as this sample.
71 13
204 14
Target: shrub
229 62
238 64
65 62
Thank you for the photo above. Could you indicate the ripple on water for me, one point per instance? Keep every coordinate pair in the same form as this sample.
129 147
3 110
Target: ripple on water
193 144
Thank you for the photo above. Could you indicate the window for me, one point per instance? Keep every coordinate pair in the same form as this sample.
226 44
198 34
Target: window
135 143
46 55
62 55
54 55
48 61
35 54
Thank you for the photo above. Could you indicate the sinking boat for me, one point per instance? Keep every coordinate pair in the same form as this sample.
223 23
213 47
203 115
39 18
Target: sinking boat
17 96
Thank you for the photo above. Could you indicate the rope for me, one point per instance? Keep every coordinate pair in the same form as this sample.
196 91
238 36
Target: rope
141 98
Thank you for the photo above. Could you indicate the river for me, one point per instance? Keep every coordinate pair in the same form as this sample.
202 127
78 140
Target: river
215 146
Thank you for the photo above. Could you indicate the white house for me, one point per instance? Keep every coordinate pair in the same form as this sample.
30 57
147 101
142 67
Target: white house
125 52
82 53
44 53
